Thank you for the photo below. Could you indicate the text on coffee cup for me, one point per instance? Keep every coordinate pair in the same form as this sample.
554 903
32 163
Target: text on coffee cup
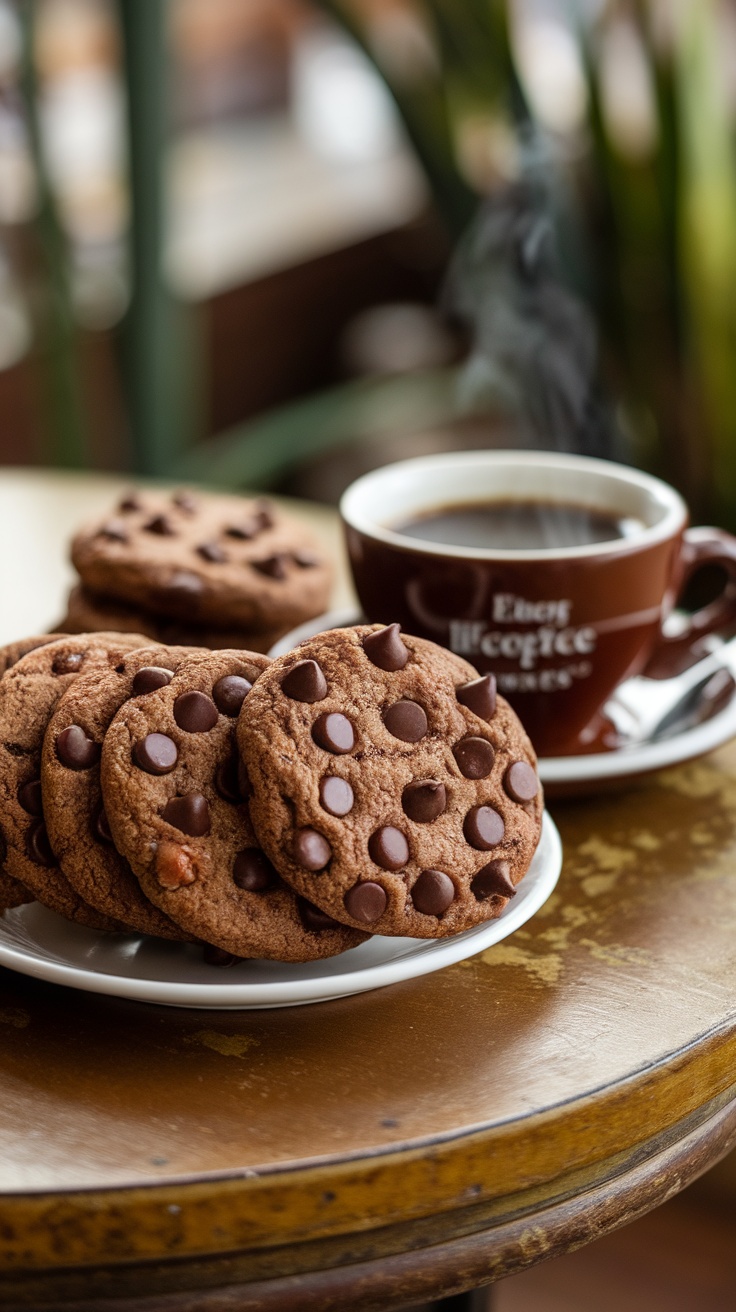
472 637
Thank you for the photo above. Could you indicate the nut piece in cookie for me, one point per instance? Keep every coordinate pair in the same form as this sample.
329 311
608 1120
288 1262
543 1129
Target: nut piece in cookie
390 785
179 812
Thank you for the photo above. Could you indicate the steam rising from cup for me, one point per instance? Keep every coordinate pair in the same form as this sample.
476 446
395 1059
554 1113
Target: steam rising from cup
533 343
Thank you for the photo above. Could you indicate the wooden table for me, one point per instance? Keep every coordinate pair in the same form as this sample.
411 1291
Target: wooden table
400 1145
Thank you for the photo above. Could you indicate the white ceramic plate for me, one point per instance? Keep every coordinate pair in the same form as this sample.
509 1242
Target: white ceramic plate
642 757
37 942
572 775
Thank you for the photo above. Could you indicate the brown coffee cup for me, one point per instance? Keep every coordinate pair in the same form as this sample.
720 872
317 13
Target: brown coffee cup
560 626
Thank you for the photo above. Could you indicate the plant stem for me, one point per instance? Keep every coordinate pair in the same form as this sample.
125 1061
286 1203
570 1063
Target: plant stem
64 434
159 374
424 113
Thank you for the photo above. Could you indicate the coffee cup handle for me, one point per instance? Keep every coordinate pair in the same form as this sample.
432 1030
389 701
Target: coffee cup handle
700 547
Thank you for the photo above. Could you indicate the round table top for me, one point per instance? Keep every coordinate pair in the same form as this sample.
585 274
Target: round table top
603 1032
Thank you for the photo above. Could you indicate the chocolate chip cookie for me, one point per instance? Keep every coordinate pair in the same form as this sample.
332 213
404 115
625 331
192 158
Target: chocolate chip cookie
390 785
221 561
75 816
87 613
13 894
29 692
177 808
12 651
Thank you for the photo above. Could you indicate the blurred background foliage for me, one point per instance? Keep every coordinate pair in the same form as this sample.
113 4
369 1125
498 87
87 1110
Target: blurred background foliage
579 159
628 111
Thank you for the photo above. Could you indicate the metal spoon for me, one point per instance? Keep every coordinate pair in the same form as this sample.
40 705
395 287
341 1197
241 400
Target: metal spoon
664 708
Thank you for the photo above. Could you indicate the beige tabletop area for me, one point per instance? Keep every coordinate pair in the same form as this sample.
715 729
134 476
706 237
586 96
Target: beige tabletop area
39 513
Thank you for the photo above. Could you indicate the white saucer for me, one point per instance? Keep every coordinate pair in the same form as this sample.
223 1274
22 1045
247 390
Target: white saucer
573 775
568 774
37 942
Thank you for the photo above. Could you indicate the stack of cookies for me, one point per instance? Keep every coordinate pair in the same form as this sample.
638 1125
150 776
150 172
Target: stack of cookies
197 569
365 783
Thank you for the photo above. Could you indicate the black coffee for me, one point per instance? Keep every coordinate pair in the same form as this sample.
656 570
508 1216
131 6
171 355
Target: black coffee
518 525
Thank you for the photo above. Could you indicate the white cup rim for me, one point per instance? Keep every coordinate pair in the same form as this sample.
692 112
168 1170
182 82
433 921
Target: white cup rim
360 503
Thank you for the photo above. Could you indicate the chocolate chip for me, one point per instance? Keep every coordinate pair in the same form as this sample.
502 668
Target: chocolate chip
493 878
149 679
195 712
336 795
475 757
433 892
264 513
304 682
69 664
334 732
226 780
212 552
230 692
365 902
244 783
114 531
479 696
155 753
160 525
29 796
38 846
424 800
244 531
253 872
186 502
311 850
75 750
213 956
184 586
314 919
274 567
305 559
385 649
101 825
190 814
388 848
483 828
521 782
406 720
130 502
